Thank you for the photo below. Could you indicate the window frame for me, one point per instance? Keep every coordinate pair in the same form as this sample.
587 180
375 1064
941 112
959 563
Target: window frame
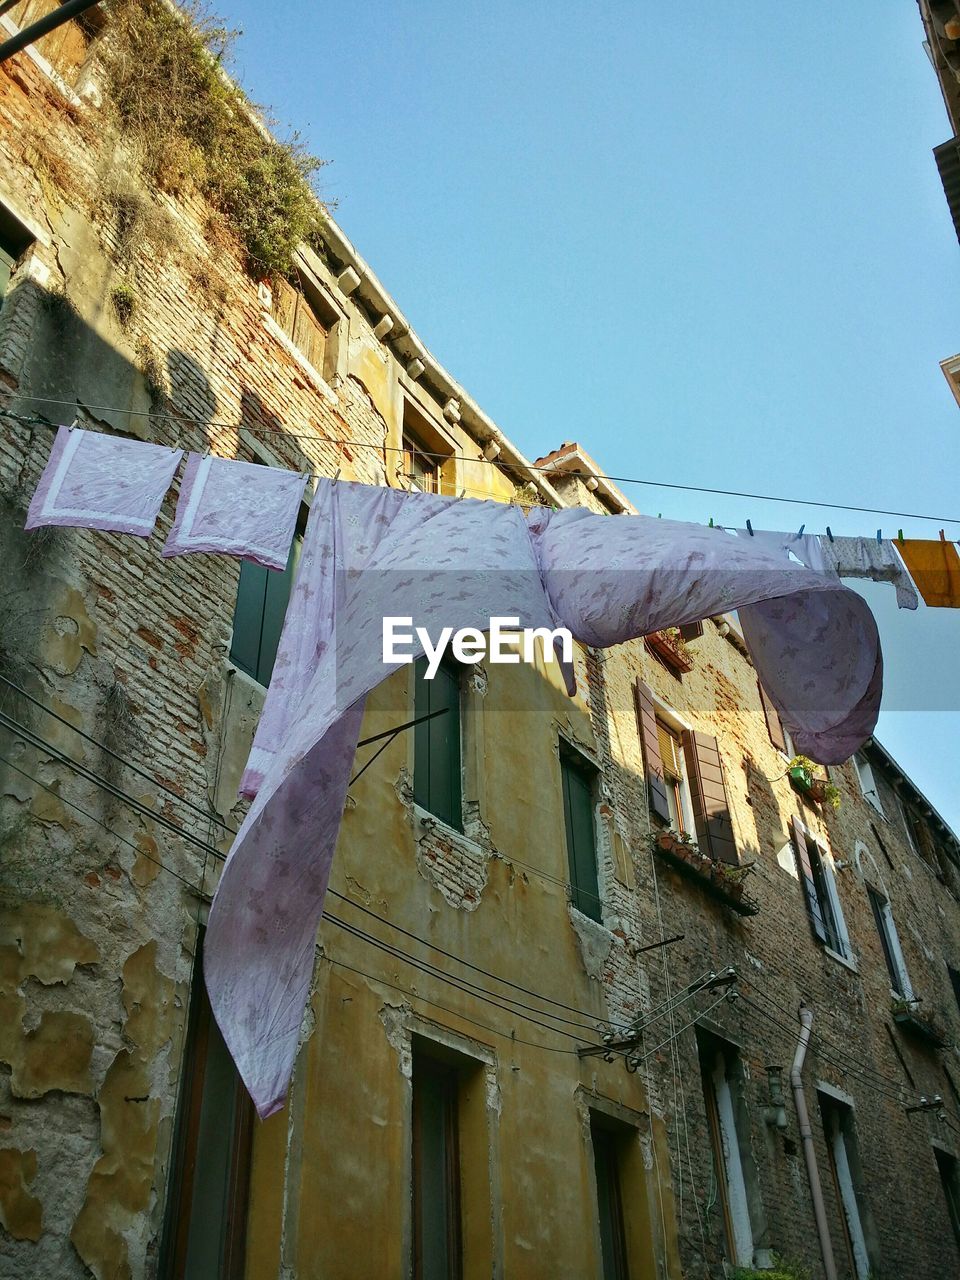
432 735
948 1167
586 898
871 794
840 1138
606 1139
445 1076
722 1078
178 1208
828 906
679 798
251 574
890 942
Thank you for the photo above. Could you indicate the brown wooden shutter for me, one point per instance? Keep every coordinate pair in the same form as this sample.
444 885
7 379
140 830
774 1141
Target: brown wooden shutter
691 631
708 792
653 761
808 882
774 727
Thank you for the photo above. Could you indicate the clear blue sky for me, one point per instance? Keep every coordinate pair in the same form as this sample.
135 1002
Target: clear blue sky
709 243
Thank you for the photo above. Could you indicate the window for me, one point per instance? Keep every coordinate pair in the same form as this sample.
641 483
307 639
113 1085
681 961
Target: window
262 599
420 466
954 982
7 263
437 750
674 776
890 942
847 1176
735 1174
607 1142
577 779
779 736
685 778
820 890
437 1243
205 1222
868 784
949 1172
305 320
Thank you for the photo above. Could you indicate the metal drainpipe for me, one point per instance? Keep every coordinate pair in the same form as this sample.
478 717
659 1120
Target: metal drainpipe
809 1152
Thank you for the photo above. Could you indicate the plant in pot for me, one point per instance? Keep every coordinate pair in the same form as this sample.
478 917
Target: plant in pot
801 771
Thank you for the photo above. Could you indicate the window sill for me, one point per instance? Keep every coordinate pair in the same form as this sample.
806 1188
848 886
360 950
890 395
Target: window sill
429 822
841 959
319 382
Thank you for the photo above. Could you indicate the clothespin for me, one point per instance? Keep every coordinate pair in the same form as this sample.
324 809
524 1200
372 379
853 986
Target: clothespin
750 528
74 423
942 538
337 476
879 538
829 534
461 493
710 526
899 535
800 534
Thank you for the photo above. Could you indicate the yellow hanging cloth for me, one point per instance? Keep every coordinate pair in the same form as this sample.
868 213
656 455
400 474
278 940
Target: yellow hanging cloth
935 568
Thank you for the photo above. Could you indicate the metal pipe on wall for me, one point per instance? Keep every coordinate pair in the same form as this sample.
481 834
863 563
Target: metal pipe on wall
809 1151
44 25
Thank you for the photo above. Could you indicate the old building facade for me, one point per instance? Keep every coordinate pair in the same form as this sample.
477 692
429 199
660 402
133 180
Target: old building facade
548 1036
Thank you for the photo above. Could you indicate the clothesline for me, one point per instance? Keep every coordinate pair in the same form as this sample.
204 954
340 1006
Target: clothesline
457 457
96 480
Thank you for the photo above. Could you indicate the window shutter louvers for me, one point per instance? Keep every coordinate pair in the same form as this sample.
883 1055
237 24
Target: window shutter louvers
708 793
649 740
807 881
774 725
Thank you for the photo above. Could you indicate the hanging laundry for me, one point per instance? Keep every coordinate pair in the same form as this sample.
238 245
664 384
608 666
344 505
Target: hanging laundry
804 546
868 558
236 509
97 481
372 552
935 568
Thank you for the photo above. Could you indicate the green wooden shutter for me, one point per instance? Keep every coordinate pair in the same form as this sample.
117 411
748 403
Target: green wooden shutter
262 599
248 618
581 837
437 767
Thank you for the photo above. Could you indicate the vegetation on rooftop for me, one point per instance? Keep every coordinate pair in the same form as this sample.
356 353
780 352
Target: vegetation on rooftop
167 88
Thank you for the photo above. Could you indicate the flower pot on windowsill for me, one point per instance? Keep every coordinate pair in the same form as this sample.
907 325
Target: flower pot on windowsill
670 647
801 779
723 883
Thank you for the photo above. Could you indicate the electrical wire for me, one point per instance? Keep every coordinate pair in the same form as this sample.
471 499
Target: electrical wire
449 955
856 1064
116 835
42 743
102 746
463 985
866 1081
384 448
144 810
415 995
433 971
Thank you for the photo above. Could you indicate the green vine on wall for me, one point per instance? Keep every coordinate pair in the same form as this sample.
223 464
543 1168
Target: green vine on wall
171 99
